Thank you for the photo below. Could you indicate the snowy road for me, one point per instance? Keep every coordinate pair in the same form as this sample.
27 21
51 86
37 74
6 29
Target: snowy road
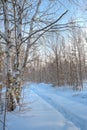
38 115
43 109
73 111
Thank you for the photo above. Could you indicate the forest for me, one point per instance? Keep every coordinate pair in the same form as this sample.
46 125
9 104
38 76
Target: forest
41 41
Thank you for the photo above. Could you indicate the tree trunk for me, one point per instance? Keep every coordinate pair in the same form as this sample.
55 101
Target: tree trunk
9 97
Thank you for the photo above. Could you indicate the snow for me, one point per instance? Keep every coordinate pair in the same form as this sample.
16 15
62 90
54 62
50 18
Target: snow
45 107
67 101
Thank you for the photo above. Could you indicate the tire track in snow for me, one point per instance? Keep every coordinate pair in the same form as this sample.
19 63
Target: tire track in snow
68 114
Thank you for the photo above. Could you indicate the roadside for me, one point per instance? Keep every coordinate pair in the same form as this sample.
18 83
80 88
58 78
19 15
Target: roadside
37 114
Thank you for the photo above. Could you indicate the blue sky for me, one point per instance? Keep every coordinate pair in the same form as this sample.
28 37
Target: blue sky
76 10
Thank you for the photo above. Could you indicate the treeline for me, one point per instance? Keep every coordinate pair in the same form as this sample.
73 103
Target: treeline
65 61
61 60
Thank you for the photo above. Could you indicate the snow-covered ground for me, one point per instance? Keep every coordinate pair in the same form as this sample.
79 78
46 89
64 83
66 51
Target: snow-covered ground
49 108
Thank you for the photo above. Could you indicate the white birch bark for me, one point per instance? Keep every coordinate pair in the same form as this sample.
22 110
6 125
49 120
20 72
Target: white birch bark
9 96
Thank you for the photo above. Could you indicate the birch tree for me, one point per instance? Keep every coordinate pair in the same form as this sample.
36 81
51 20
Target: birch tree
25 22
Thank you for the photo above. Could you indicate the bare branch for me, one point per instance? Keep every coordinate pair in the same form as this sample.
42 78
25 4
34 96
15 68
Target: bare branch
53 23
3 35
